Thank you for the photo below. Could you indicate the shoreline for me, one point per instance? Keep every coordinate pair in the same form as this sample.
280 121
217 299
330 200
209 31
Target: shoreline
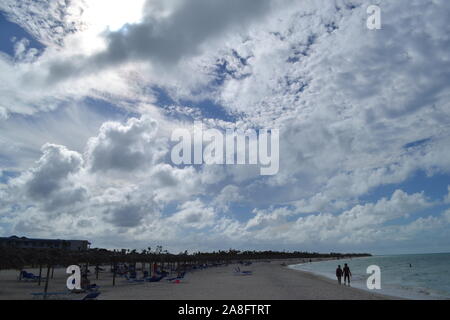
321 277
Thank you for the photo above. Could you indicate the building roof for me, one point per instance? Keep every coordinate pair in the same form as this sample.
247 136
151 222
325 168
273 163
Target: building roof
36 239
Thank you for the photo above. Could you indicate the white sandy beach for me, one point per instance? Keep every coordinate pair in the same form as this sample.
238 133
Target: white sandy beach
269 281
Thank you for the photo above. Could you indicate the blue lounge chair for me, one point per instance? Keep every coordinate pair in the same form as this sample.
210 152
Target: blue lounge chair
237 271
30 276
91 296
93 287
134 280
162 273
181 276
154 279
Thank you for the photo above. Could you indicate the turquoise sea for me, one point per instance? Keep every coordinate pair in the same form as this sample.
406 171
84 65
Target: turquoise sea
413 276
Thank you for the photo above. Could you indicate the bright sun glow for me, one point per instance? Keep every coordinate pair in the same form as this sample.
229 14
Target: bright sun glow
113 14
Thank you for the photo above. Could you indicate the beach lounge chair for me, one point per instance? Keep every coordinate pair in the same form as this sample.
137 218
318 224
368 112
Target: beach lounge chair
91 296
134 280
162 273
93 287
30 276
179 277
237 271
154 279
99 269
49 294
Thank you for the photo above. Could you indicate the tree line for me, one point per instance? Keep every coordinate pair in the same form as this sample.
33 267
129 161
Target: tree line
19 258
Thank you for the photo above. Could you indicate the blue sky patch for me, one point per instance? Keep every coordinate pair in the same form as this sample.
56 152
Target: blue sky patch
11 32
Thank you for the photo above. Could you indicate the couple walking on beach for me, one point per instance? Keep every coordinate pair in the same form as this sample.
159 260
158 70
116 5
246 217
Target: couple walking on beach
343 272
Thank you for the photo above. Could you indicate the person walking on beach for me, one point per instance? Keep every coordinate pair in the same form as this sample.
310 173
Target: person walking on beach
339 273
347 274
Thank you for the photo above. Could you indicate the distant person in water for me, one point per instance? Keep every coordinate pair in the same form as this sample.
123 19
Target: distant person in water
347 274
339 274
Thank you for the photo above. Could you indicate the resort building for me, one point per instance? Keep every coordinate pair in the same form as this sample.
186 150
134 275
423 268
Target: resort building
23 242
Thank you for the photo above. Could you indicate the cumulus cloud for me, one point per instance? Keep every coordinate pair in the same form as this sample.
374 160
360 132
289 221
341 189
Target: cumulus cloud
360 224
446 216
447 197
50 182
129 197
52 169
123 147
48 190
3 113
171 184
193 214
228 195
129 214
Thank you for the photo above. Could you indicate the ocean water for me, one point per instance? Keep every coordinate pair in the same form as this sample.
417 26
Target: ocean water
427 278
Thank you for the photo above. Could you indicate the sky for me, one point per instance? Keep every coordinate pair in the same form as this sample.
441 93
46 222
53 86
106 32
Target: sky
91 90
